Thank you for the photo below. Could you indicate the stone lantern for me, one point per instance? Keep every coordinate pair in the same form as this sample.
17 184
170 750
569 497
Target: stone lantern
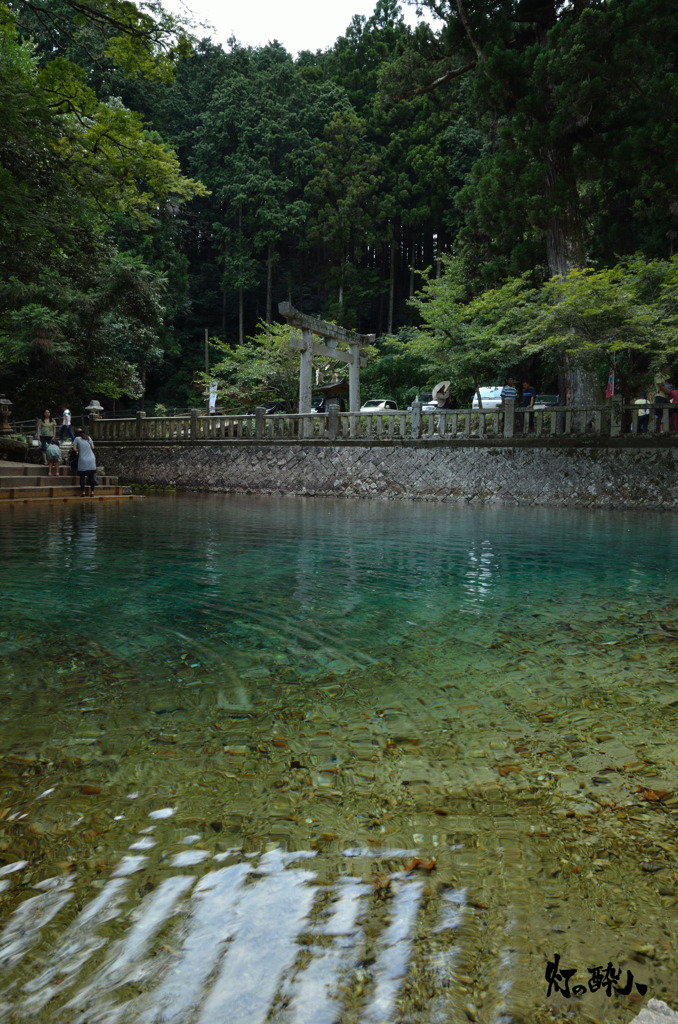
94 409
5 406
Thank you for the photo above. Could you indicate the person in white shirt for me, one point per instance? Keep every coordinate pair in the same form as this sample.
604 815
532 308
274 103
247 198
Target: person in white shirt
66 427
509 392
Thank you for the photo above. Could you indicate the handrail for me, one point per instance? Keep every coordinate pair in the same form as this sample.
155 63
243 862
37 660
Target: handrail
608 420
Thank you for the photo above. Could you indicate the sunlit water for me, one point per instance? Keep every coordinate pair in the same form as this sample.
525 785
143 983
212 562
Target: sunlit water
335 762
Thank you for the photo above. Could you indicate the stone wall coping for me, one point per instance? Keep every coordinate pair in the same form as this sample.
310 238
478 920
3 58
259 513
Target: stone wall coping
639 443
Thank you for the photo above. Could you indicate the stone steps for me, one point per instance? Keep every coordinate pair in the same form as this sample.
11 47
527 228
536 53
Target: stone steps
32 499
34 469
58 491
23 483
45 480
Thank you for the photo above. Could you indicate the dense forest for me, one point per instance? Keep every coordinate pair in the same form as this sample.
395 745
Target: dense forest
516 166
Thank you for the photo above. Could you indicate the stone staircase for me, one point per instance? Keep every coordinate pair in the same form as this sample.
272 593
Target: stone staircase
21 482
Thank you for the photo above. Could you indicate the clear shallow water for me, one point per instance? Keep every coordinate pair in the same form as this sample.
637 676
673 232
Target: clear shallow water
322 693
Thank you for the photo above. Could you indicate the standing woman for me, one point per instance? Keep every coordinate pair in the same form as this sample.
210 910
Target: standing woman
84 446
46 431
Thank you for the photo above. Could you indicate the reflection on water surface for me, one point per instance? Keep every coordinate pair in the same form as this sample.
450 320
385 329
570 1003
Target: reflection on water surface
334 762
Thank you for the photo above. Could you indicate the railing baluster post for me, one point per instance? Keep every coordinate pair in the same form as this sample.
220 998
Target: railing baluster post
194 428
509 417
415 422
616 416
259 421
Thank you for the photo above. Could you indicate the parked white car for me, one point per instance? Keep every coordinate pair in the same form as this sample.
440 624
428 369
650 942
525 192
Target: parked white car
490 397
378 405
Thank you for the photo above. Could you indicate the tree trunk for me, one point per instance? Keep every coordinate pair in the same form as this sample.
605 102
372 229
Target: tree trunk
342 270
577 385
391 285
269 283
413 262
428 250
564 237
241 316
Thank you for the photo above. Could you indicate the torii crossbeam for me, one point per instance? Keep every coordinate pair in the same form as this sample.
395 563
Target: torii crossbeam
332 336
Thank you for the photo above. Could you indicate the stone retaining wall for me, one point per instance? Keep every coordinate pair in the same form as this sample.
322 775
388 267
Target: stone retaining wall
572 475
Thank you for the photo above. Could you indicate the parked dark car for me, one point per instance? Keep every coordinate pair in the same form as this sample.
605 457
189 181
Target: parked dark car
321 403
270 408
543 401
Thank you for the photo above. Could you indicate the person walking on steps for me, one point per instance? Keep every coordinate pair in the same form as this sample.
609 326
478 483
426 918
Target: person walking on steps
84 446
66 425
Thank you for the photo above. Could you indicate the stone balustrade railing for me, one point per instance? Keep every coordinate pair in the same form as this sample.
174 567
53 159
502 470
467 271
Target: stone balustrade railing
609 420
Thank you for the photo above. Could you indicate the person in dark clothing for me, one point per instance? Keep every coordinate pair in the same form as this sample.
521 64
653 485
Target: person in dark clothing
528 399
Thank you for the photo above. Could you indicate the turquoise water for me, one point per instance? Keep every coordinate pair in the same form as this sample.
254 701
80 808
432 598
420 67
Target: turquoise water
419 749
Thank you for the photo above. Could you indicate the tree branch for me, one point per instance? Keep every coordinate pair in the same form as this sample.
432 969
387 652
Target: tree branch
447 77
472 37
475 43
145 28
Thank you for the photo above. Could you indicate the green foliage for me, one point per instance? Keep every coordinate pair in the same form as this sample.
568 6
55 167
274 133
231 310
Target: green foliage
255 147
629 310
575 106
263 369
340 195
357 59
461 340
523 138
72 306
397 370
138 38
116 165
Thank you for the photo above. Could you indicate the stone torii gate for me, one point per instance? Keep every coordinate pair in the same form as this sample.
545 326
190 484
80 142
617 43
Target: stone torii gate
332 336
